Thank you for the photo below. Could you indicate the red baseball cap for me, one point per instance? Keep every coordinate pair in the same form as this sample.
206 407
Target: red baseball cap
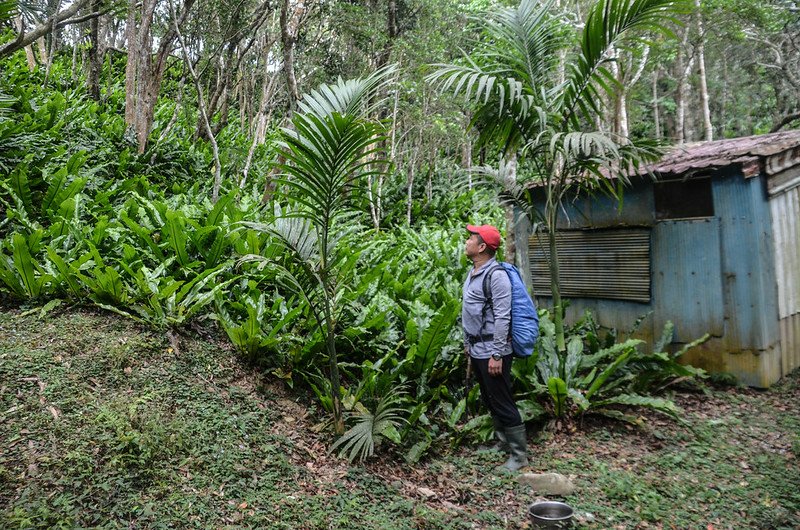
489 234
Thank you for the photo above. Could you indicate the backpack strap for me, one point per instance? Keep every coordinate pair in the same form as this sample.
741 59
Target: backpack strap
487 292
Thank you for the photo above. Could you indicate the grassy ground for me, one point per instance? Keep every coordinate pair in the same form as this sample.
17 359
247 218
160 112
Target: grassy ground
103 425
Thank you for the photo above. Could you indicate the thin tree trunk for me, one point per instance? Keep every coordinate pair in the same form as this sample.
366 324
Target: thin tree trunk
289 26
684 68
656 115
29 55
173 120
262 119
431 171
410 188
701 67
330 332
95 56
145 70
202 104
510 181
466 152
74 69
723 112
131 68
41 46
552 223
619 120
52 47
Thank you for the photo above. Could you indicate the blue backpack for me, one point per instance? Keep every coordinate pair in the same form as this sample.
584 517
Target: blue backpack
524 319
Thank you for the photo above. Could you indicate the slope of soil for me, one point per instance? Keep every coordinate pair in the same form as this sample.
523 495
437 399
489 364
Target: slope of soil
103 424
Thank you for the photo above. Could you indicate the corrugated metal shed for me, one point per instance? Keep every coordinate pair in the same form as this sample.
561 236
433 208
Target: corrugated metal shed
734 272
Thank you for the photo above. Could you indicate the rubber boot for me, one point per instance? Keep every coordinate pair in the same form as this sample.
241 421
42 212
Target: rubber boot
501 444
518 443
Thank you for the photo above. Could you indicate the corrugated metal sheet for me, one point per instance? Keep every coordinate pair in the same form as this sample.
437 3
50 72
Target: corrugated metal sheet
790 343
784 181
612 263
753 368
785 208
687 282
748 264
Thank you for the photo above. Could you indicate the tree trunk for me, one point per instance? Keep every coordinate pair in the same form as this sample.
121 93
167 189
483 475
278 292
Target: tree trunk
290 24
410 189
551 215
95 53
684 67
723 111
144 71
51 46
262 117
131 68
201 103
619 120
656 116
708 131
510 180
74 68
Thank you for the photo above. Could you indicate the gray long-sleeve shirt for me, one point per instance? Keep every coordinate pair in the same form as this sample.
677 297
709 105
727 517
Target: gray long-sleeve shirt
498 319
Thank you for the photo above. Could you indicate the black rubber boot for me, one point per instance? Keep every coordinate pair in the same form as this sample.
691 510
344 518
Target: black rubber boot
500 435
501 444
518 443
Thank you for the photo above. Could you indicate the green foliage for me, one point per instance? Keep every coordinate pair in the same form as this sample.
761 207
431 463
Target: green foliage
20 272
139 438
534 91
597 376
255 337
371 427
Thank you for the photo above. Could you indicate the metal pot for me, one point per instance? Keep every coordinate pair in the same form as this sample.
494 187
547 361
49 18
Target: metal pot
550 514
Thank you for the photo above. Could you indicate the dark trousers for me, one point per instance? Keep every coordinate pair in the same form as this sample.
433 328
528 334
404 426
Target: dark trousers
496 392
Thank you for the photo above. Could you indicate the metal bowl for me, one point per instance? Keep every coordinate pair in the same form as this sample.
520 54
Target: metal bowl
550 514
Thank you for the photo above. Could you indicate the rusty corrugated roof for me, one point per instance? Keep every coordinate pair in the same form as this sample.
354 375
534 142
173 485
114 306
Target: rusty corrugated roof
764 153
749 151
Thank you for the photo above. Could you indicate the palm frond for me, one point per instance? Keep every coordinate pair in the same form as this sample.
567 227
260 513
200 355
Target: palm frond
359 441
325 156
348 97
531 37
610 23
664 406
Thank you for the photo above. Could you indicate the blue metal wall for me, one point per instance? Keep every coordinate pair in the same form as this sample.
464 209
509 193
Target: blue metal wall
710 275
748 266
687 282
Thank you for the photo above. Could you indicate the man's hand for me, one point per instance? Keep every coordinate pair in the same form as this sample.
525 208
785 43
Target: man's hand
495 367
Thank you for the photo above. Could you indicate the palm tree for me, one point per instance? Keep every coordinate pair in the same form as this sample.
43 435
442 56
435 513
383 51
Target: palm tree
537 94
329 152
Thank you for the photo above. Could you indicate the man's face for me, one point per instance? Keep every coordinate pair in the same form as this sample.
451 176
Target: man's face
473 246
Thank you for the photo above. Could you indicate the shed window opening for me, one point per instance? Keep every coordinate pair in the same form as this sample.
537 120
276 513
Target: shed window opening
683 199
606 263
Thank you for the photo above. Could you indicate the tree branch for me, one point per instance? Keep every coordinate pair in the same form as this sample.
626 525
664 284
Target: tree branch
42 29
785 121
83 18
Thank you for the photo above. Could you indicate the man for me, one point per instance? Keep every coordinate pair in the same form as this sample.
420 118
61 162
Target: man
487 340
